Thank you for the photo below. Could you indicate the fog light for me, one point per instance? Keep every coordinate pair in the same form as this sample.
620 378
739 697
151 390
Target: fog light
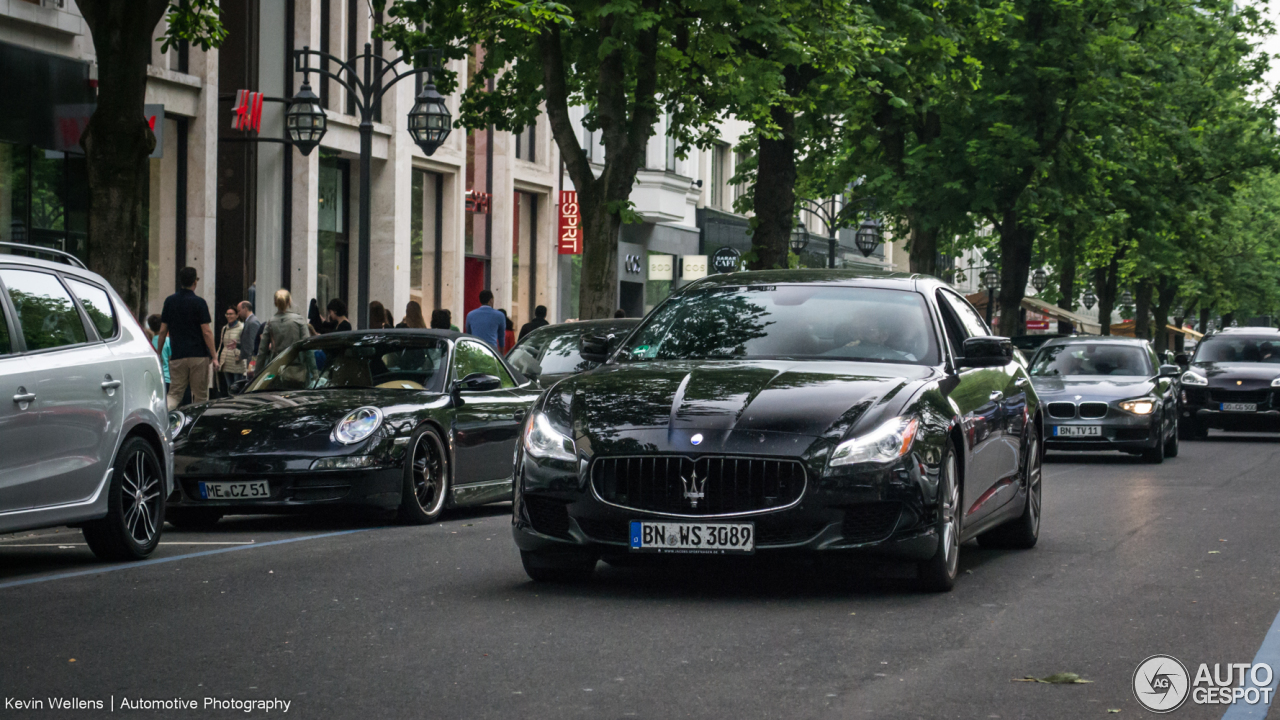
350 462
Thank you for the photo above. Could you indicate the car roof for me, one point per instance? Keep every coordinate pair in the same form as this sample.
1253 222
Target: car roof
1095 340
398 332
1248 330
849 277
63 267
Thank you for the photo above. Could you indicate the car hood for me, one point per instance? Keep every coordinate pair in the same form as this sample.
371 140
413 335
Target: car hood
290 421
668 402
1226 374
1092 387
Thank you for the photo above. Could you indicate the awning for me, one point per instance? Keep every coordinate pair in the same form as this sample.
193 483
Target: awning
1081 324
1126 329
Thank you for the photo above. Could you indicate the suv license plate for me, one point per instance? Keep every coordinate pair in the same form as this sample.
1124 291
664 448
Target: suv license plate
1077 431
257 490
1239 407
693 538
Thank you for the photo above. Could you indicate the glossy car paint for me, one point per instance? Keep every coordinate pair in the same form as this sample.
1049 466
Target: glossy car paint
278 436
1121 430
618 328
1201 408
799 410
76 414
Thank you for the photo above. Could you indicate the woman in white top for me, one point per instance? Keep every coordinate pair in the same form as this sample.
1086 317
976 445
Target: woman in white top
231 364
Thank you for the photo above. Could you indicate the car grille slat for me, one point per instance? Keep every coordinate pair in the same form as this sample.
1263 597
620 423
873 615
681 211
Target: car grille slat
1093 410
870 522
1258 397
729 484
1062 410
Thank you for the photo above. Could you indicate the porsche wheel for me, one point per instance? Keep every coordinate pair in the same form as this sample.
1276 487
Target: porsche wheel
426 478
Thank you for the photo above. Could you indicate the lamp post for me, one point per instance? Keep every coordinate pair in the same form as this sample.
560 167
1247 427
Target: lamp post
835 213
799 237
1039 279
1089 299
305 122
991 278
1126 299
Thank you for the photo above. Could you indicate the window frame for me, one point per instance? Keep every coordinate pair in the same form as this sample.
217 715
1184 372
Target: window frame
511 375
115 315
90 332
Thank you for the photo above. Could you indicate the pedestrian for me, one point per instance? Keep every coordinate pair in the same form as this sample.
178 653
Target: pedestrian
285 328
153 324
413 316
442 319
539 320
509 334
186 316
378 316
337 321
486 323
313 317
619 313
233 367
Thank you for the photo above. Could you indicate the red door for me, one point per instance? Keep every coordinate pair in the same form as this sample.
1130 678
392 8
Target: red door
473 283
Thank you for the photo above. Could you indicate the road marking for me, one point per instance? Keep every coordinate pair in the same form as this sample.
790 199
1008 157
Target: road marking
157 561
176 542
1269 653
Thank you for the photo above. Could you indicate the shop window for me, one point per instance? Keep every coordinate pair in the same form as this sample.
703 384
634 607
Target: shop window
719 158
332 237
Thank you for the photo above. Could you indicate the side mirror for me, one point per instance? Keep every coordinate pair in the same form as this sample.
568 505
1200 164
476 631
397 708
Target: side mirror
595 348
1170 371
238 386
989 351
1182 359
479 382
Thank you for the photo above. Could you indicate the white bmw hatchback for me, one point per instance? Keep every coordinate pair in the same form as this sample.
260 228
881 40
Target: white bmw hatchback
83 422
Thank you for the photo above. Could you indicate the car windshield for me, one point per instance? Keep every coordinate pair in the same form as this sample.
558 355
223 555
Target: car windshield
788 321
551 352
357 361
1239 350
1091 359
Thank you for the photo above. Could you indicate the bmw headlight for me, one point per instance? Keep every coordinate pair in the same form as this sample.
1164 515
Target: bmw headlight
177 421
358 425
1191 378
890 441
543 441
1139 406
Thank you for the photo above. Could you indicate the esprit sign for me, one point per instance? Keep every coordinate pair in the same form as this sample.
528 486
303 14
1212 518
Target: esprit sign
570 223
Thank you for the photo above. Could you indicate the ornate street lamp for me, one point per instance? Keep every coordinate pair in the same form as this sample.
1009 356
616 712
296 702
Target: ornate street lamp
1039 279
1089 299
1126 299
799 237
429 120
305 121
835 213
868 238
990 279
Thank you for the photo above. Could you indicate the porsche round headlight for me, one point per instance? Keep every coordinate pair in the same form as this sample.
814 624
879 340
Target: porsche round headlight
1139 406
1192 378
890 441
177 421
358 425
1276 382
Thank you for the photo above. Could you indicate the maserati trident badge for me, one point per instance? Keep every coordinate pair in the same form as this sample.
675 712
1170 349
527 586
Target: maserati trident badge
694 489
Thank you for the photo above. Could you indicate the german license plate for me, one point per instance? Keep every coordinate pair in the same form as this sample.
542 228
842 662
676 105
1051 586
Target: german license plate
693 538
257 490
1239 407
1077 431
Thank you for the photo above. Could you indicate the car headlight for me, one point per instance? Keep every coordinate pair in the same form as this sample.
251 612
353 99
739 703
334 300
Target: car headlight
357 425
177 421
542 440
1276 382
1190 378
1139 406
890 441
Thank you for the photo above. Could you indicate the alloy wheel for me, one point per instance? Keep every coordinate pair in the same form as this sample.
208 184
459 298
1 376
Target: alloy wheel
1034 467
428 473
140 498
950 524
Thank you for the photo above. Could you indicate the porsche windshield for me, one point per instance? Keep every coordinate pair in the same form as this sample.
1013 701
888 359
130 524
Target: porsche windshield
788 321
1091 359
1235 349
357 361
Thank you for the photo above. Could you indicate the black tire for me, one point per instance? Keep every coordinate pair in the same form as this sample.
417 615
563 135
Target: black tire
1023 532
426 478
938 573
135 506
1154 455
1171 445
185 518
558 567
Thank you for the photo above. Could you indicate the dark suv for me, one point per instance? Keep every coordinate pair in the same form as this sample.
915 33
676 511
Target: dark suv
1233 382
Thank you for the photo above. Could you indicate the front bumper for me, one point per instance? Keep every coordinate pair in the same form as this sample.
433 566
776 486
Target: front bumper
1206 406
1119 430
374 487
878 511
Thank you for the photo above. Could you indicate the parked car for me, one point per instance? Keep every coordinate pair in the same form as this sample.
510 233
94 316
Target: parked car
413 420
1233 382
553 352
1107 394
1030 343
831 411
83 439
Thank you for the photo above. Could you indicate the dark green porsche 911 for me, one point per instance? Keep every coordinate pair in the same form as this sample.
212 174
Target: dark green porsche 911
415 420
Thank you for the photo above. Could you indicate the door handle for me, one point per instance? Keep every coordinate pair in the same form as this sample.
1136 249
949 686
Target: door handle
1021 382
997 396
111 385
23 397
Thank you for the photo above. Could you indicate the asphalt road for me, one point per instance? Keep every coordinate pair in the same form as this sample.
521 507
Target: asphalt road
441 622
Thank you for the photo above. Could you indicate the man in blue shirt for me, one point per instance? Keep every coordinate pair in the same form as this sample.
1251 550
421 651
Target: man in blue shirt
486 323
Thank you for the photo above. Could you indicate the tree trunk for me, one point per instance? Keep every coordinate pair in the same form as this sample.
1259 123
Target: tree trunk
1066 277
1204 318
1106 279
774 198
1227 319
1165 295
1142 311
922 244
118 139
1016 243
597 295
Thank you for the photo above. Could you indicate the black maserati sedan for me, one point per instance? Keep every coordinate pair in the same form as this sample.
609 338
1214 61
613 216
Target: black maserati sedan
1107 393
822 410
412 420
553 352
1233 382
